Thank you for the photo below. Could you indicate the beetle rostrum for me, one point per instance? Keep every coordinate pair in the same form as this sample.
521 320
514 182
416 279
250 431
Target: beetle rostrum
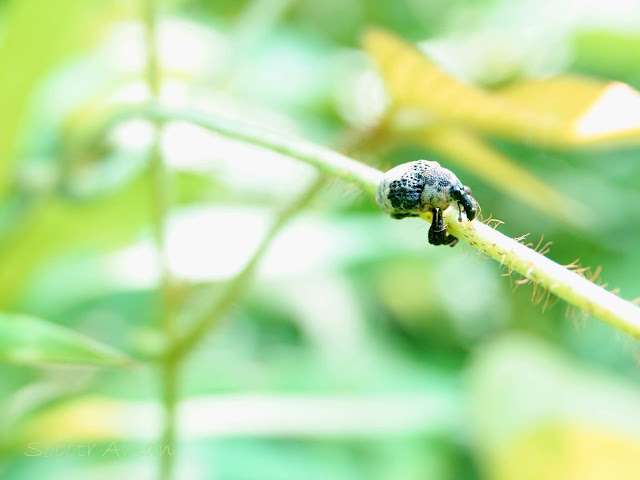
424 186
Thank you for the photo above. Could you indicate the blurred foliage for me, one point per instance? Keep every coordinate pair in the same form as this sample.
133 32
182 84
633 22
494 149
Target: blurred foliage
608 53
358 351
551 439
32 341
562 111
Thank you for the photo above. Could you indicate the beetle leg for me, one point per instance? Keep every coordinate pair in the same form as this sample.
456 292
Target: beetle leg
438 232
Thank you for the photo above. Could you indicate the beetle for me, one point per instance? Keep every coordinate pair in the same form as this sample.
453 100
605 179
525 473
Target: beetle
412 188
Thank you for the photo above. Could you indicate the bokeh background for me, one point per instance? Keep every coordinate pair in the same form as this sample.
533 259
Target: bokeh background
357 350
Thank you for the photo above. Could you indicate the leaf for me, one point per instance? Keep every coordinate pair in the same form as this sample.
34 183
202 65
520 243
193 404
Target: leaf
594 112
537 413
560 112
473 153
36 37
32 341
557 451
414 81
52 226
609 53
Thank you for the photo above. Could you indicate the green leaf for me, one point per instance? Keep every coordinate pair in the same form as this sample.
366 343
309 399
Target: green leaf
31 341
53 226
36 37
608 53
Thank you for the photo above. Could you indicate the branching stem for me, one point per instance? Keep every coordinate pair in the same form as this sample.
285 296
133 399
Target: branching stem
216 306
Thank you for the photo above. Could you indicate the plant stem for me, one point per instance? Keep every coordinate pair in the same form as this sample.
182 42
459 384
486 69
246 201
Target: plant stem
327 161
160 184
567 285
170 371
161 205
562 282
215 307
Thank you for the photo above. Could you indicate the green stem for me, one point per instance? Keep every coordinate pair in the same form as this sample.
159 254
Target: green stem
560 281
567 285
327 161
160 184
215 307
161 204
170 371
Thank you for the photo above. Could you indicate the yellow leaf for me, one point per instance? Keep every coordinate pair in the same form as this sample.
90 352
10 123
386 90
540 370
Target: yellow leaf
478 157
562 112
595 112
567 452
86 419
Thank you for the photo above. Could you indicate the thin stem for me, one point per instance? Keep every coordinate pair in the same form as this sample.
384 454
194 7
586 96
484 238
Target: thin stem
170 371
216 307
161 195
161 205
332 163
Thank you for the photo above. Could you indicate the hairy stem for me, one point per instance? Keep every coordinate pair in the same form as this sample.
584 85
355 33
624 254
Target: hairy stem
562 282
567 285
555 278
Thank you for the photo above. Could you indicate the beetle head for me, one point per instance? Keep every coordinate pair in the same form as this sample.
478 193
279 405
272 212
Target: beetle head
462 195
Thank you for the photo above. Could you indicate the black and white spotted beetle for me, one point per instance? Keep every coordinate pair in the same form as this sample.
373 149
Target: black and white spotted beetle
424 186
